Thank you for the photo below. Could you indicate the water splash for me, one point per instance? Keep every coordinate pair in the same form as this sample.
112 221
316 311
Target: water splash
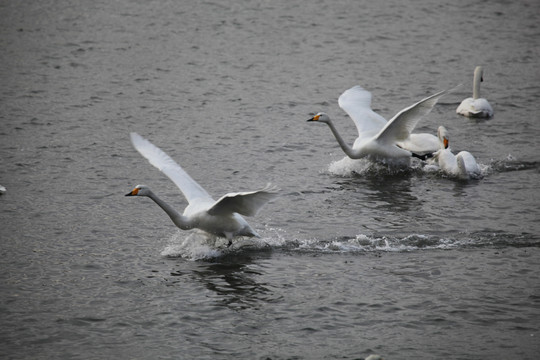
363 243
369 243
198 245
511 163
363 167
347 167
201 246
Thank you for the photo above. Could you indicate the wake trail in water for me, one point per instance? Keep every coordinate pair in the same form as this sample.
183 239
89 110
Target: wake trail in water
200 246
511 163
363 243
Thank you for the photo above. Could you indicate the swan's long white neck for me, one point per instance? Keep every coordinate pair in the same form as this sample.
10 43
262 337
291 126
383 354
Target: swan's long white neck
344 146
441 133
178 219
461 168
476 82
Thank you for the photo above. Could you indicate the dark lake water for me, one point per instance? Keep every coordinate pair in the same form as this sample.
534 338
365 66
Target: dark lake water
354 258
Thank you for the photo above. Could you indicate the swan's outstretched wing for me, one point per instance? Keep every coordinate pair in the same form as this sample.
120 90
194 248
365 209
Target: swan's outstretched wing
169 167
403 123
357 103
244 203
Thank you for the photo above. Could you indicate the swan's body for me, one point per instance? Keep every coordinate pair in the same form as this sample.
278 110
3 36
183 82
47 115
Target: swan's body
374 357
463 165
476 106
2 189
221 218
381 140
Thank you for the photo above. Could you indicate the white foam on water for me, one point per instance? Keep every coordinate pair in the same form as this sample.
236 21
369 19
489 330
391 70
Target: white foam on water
195 245
348 167
363 243
198 245
364 167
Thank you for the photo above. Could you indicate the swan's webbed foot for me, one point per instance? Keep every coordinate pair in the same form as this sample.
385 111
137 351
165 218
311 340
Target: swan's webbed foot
229 243
423 157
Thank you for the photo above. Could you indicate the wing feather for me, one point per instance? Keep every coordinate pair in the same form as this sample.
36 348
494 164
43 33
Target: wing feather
244 203
403 123
158 158
356 102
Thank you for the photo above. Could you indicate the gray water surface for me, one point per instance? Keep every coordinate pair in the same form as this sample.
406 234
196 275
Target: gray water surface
354 258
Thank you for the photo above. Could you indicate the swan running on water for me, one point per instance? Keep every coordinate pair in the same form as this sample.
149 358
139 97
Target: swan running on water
463 165
476 106
378 139
221 218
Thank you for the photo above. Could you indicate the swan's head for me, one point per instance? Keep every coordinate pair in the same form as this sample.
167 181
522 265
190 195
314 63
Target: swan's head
479 73
444 137
139 190
321 117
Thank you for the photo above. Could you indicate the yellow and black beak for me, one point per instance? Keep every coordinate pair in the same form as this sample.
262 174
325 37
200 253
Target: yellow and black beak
315 118
133 192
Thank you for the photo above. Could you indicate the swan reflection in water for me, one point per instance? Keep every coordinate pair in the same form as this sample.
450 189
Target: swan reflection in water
234 279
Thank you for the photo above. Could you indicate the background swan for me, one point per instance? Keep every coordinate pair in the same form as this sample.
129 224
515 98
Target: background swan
381 140
221 218
476 106
374 357
463 165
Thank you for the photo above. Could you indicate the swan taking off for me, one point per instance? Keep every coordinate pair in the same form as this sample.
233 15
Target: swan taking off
463 165
476 106
378 139
221 218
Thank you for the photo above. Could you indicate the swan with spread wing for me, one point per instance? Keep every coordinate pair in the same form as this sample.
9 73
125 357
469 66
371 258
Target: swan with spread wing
381 140
221 218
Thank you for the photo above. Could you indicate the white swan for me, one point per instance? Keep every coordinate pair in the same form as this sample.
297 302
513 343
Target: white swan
463 165
476 106
374 357
221 218
378 139
2 189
